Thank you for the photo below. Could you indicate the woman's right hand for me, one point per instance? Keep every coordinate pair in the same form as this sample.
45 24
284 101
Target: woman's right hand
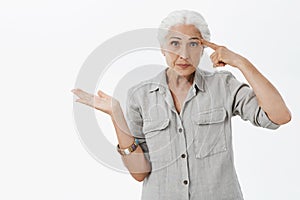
102 102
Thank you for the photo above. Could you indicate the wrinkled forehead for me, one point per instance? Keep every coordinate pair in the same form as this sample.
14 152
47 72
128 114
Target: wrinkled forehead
183 34
183 37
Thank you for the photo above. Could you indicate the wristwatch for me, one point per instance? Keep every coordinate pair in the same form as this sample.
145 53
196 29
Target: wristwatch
130 149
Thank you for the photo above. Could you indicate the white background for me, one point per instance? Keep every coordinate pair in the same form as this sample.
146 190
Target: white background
42 47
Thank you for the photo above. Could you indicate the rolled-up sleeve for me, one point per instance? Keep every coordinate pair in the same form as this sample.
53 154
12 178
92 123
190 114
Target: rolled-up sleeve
135 121
245 104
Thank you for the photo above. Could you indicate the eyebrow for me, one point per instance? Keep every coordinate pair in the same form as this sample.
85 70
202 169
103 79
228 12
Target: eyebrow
192 38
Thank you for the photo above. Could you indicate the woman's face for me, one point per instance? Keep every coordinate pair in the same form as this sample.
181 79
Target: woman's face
183 48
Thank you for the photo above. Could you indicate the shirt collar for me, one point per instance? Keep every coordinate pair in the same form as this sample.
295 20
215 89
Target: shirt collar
159 83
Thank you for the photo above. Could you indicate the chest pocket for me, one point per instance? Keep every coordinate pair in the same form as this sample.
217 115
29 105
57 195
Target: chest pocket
158 141
209 132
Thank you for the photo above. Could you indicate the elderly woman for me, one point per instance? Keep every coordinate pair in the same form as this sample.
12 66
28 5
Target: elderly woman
177 135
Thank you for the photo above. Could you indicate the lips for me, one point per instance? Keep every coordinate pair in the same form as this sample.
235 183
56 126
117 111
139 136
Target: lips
183 65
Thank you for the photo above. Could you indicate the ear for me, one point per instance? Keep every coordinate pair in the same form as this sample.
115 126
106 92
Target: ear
162 51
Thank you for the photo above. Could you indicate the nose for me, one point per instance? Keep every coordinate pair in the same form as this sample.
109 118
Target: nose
184 54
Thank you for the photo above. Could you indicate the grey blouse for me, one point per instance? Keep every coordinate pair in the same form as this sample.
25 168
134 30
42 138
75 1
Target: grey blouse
191 152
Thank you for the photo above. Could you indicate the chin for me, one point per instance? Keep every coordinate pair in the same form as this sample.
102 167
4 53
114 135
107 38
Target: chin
185 72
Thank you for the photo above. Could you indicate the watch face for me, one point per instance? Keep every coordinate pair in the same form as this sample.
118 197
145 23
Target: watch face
126 151
130 149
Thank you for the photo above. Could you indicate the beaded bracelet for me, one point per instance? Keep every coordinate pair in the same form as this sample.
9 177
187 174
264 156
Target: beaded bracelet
130 149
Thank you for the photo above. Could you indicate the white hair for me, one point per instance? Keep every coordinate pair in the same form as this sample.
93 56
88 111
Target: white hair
183 17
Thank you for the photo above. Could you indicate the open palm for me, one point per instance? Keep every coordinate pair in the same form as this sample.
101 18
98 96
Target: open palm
102 101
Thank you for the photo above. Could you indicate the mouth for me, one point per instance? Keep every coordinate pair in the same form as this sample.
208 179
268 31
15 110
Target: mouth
184 65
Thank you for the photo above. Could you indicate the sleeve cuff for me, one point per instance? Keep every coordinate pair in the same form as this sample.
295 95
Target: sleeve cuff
264 120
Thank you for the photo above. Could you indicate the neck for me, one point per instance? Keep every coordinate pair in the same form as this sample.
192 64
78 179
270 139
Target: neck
179 81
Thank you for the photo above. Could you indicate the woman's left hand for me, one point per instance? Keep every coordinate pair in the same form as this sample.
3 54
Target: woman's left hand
223 56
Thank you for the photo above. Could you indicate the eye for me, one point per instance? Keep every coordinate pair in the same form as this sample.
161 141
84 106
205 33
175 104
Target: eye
175 43
194 44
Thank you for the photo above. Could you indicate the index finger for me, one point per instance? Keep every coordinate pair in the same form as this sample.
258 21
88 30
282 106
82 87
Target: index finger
209 44
82 94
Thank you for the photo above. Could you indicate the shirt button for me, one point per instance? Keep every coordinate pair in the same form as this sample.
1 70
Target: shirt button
182 155
180 130
185 182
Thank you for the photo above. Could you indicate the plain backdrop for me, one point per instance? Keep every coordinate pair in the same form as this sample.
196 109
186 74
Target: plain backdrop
43 45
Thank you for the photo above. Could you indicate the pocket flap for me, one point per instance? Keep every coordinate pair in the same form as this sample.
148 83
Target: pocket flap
155 125
212 116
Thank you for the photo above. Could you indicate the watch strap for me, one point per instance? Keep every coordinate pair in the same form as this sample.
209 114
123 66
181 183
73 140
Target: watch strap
129 149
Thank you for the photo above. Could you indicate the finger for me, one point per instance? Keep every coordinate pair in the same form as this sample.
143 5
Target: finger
88 103
209 44
102 94
76 91
82 94
221 64
214 58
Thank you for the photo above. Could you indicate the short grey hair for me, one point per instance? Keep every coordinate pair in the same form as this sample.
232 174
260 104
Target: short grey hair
183 17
